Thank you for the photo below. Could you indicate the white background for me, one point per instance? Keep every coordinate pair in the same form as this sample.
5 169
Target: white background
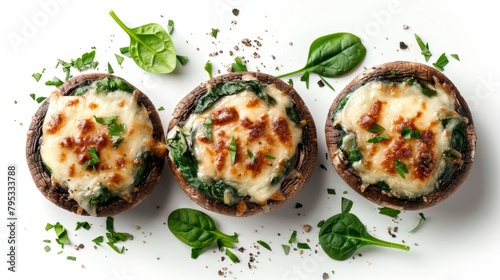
459 239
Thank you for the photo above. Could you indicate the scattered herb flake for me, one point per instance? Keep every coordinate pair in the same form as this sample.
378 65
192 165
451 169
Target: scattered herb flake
170 27
408 133
303 246
71 258
293 237
393 213
455 56
376 128
264 244
94 159
54 82
84 225
98 240
215 32
441 62
232 150
232 256
400 168
119 59
323 167
378 138
110 69
286 248
208 128
331 191
238 65
420 222
269 156
208 68
182 59
424 47
251 156
46 248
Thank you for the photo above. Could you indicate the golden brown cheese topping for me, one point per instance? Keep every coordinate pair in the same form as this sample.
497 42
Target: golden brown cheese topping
251 142
95 143
399 134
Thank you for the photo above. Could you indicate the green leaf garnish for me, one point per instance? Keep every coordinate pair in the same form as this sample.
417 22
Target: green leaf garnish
303 246
293 237
110 69
378 138
424 48
455 56
214 32
408 133
251 156
119 59
208 128
98 240
238 65
393 213
208 68
264 244
420 222
232 256
400 168
182 59
441 62
269 156
54 82
286 248
170 26
94 159
376 128
84 225
232 150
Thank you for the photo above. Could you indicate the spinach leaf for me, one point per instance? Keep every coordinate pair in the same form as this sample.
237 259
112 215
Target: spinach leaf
151 47
188 166
197 230
333 55
343 234
228 88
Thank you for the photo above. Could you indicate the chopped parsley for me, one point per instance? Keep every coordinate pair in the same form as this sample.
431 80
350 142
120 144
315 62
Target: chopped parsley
232 150
238 65
264 244
441 62
424 48
378 138
94 159
393 213
408 133
400 168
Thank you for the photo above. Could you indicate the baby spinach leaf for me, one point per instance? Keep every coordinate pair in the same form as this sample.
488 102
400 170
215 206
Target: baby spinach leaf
333 55
343 234
196 229
151 47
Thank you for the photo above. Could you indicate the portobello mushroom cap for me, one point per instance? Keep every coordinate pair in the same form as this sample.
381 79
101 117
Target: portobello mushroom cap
58 195
398 71
307 149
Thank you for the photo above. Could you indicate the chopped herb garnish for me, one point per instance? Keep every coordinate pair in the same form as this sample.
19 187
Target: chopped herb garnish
426 90
238 65
54 82
424 48
98 240
232 150
119 59
323 167
408 133
286 248
110 69
182 59
331 191
208 68
125 51
208 128
215 32
84 225
86 61
170 27
115 129
71 258
376 128
455 56
420 222
269 156
46 248
303 246
232 256
389 212
251 156
114 237
320 223
393 72
326 82
293 237
61 233
305 78
264 244
37 76
161 108
94 159
441 62
47 241
37 99
378 138
400 168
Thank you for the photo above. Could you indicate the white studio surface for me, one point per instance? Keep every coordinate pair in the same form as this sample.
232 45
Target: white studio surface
458 240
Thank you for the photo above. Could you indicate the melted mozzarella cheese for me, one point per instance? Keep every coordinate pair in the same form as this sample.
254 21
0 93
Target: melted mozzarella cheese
399 105
265 139
70 131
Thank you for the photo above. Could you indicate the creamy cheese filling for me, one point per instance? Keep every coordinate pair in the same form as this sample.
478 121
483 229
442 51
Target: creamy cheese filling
71 132
260 134
397 127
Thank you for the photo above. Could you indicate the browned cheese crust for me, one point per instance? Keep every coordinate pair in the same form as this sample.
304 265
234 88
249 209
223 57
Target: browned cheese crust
60 196
289 188
398 71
